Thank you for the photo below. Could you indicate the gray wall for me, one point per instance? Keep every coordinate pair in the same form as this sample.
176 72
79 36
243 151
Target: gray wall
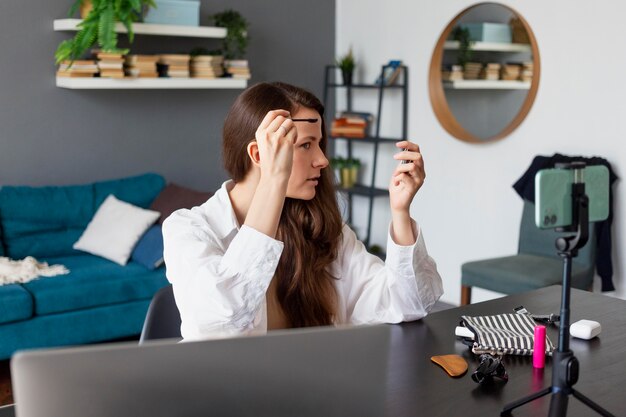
51 136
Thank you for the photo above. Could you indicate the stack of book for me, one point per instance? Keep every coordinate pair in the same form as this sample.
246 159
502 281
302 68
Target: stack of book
472 70
82 68
527 72
510 72
173 65
490 71
110 64
237 68
142 66
207 66
452 73
351 125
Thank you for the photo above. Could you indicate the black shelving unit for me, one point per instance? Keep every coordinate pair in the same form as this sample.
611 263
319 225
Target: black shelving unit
368 191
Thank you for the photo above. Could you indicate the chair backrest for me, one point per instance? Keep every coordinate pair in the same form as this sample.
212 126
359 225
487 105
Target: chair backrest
536 241
163 318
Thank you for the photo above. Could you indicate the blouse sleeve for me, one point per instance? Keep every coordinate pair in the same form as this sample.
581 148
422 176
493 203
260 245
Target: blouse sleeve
219 283
403 288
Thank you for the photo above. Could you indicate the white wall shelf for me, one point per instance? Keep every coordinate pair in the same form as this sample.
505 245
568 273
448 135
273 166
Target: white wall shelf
486 85
490 46
151 29
149 83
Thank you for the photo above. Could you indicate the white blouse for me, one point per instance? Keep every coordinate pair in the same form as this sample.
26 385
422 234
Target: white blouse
221 272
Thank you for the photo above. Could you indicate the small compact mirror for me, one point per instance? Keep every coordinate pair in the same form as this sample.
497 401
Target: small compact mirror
484 73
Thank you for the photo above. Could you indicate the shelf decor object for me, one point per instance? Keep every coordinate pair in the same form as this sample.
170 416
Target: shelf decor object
484 52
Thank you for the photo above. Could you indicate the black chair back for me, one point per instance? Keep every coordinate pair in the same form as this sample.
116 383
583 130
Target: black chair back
163 318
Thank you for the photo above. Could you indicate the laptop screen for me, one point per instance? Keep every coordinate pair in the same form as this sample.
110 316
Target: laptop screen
322 371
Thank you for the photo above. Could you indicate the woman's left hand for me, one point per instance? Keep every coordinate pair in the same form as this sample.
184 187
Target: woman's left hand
407 178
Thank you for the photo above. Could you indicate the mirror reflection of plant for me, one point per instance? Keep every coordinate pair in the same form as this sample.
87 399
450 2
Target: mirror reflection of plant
236 41
99 27
462 34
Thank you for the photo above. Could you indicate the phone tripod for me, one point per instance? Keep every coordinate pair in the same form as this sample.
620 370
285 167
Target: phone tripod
565 366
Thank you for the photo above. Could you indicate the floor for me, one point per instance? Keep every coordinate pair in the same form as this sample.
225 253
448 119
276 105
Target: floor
6 396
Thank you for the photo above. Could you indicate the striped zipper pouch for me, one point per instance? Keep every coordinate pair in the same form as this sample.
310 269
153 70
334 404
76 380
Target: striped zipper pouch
503 334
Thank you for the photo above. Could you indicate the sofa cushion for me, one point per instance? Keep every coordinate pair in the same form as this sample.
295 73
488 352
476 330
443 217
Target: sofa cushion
16 303
92 282
149 249
140 190
174 197
44 221
115 230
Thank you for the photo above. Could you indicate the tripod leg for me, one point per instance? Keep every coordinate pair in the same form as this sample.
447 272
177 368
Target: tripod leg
558 404
506 411
589 403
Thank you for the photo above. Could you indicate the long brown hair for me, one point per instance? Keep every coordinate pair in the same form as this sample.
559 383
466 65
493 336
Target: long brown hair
310 230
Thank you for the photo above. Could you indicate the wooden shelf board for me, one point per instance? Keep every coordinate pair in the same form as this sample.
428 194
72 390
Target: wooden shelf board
149 83
490 46
486 85
152 29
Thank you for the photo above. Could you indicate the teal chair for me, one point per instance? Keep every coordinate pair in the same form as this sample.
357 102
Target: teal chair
536 265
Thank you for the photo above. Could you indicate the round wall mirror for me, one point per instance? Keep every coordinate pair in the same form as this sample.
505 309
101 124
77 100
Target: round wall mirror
484 73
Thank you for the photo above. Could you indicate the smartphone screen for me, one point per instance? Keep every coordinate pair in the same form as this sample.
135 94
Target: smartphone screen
553 195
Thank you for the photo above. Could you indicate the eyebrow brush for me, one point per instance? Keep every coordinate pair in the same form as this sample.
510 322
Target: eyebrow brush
305 120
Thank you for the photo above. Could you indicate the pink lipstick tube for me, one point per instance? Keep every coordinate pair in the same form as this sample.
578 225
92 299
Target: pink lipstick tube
539 347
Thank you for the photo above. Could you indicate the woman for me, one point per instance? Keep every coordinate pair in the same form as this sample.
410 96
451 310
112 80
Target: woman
269 249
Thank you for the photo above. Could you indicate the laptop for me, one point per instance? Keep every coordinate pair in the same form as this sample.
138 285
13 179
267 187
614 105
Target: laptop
324 371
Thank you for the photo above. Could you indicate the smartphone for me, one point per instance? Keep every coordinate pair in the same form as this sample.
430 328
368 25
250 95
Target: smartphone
553 195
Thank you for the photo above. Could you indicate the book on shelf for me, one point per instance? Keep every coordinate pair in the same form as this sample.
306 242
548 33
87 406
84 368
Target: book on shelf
174 65
141 66
390 73
471 70
348 127
112 74
135 59
72 74
237 68
452 73
207 66
80 68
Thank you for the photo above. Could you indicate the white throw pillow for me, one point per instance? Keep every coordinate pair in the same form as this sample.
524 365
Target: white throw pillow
115 230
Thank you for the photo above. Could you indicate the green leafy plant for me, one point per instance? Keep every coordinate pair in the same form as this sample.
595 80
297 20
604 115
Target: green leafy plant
346 62
98 27
236 41
338 162
462 35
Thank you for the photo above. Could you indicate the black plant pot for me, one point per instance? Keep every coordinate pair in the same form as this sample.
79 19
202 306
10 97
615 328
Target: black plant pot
346 75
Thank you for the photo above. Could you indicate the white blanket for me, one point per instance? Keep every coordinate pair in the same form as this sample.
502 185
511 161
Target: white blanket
13 272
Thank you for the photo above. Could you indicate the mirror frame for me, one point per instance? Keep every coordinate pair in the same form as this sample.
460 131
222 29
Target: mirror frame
437 94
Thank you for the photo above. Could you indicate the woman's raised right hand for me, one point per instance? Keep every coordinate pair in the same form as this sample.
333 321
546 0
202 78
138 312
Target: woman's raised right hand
275 138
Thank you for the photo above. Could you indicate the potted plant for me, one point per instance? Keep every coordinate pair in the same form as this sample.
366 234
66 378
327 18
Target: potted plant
337 164
98 27
462 34
236 40
349 172
354 166
346 64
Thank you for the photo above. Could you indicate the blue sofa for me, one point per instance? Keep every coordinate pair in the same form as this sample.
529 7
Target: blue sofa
98 300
